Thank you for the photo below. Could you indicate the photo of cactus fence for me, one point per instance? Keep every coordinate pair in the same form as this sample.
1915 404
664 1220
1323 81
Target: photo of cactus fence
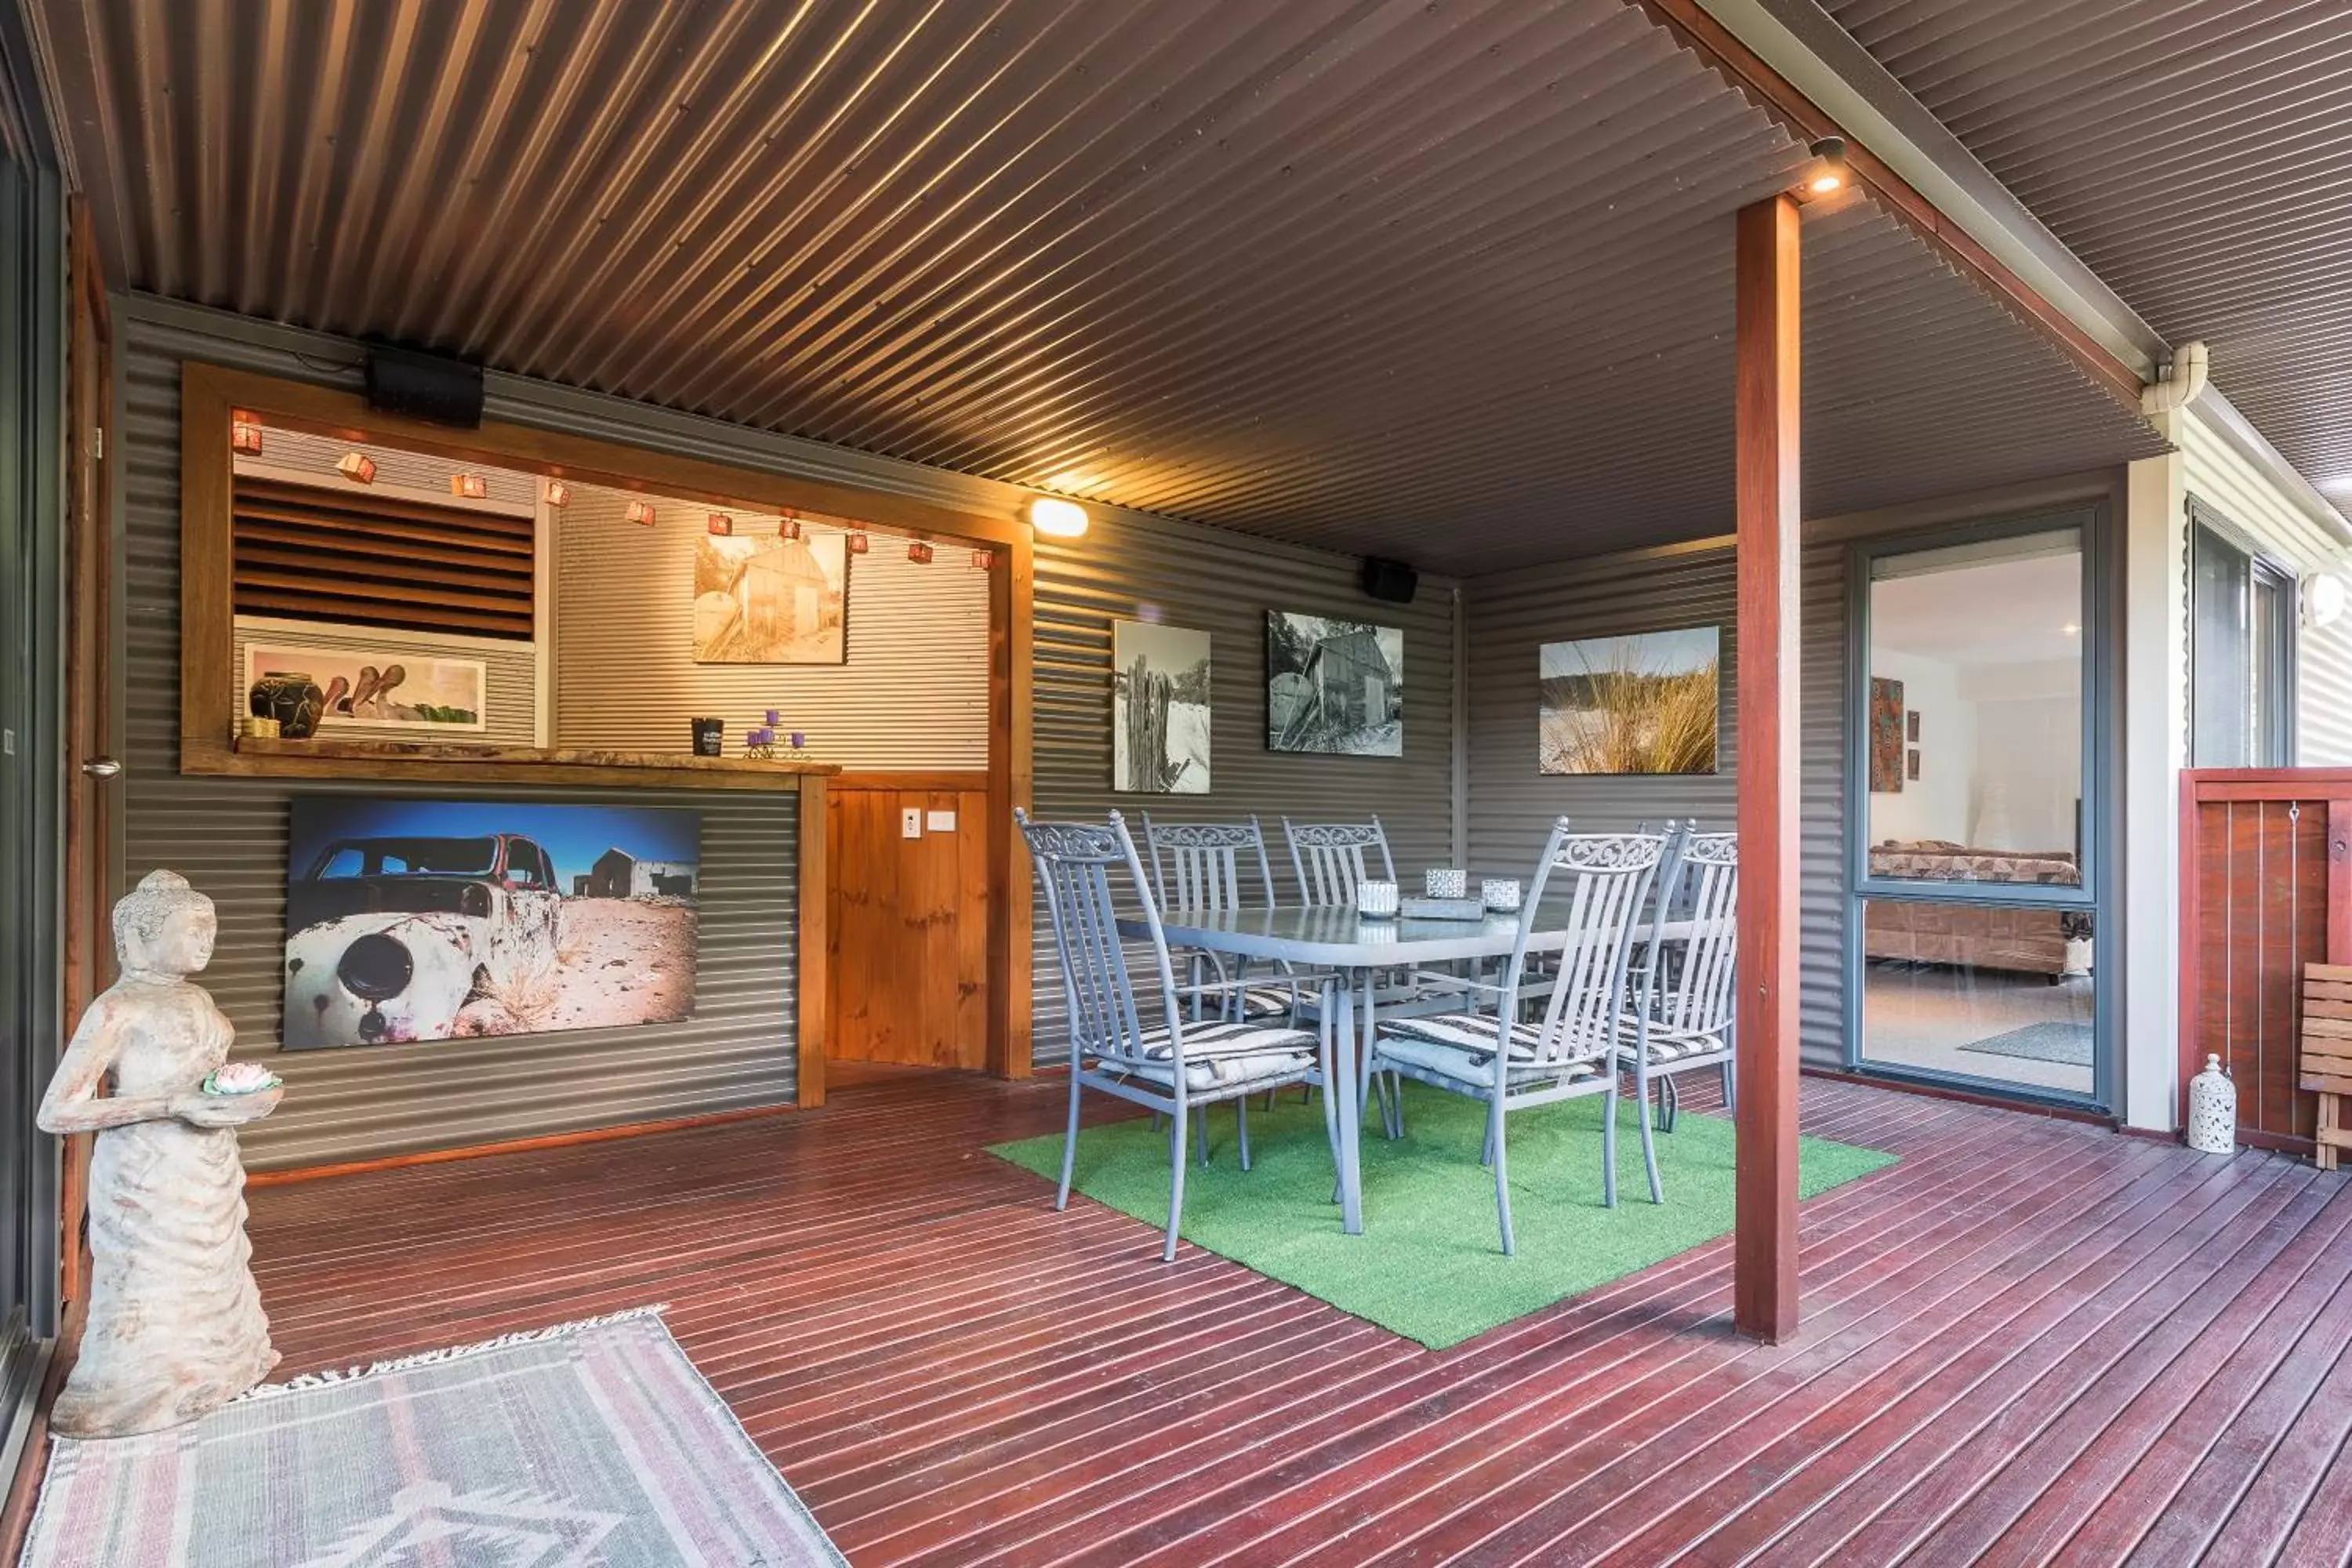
1160 710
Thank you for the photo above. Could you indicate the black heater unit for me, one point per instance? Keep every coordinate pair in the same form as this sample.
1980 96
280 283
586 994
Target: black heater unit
424 386
1393 582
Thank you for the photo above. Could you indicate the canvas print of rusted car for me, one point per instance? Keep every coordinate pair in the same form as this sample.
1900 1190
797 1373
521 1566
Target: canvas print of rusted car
414 920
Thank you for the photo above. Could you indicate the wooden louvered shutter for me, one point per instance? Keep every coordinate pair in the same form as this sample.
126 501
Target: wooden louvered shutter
378 561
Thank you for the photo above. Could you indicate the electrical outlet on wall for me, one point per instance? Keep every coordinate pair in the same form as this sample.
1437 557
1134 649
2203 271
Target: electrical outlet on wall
910 823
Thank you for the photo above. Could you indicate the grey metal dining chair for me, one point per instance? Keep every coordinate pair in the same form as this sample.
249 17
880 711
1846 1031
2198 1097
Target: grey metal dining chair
1571 1051
1684 988
1330 858
1207 865
1170 1067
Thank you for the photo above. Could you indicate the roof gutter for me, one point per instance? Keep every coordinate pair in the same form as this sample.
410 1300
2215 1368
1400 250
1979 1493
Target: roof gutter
1805 44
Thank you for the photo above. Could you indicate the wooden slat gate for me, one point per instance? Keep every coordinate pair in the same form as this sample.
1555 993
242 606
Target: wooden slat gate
2266 889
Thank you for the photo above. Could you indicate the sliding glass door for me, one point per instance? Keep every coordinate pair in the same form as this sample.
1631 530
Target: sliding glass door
1973 916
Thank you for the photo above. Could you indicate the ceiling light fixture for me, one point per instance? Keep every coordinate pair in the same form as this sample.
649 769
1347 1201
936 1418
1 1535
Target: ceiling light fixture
720 523
473 487
788 527
858 545
919 553
1058 519
557 494
356 466
1828 174
983 559
245 433
641 511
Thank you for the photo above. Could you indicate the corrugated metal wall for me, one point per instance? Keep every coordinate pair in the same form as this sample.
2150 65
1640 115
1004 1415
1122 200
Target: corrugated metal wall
1224 583
2220 477
228 836
1511 616
1824 639
913 695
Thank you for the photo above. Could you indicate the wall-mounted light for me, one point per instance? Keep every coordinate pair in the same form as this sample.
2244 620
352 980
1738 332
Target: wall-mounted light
2324 596
858 545
720 523
472 486
919 553
983 559
556 493
1058 519
356 466
788 527
641 511
1828 174
243 433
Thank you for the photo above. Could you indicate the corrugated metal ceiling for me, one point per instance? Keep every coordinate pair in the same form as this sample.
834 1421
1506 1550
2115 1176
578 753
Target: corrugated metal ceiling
2197 157
1450 282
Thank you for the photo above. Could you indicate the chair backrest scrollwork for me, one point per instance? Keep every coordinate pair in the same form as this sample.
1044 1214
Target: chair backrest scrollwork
1692 977
1075 862
1599 884
1330 858
1200 865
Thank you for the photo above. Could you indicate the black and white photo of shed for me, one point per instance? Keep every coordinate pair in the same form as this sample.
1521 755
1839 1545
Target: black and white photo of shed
1333 685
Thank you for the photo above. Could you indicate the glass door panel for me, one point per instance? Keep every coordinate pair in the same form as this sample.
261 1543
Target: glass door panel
1975 905
1980 991
1976 712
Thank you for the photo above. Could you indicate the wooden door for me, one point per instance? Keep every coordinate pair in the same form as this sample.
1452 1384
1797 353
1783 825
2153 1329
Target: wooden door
908 927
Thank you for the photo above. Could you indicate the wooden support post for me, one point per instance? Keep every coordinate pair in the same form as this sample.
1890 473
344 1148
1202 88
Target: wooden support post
815 1009
1764 1277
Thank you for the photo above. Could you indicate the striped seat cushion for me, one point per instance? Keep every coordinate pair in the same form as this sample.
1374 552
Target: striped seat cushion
1267 1002
1220 1055
1673 1045
1462 1045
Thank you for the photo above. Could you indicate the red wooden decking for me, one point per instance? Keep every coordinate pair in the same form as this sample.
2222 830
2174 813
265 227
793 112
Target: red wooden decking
2030 1340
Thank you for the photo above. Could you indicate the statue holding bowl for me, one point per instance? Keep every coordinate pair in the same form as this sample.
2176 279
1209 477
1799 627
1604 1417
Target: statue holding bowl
174 1329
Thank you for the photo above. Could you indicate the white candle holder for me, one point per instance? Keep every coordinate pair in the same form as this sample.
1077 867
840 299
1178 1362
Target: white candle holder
1500 894
1448 882
1377 899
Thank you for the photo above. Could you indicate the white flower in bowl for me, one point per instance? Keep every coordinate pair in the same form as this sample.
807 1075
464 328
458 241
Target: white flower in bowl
241 1078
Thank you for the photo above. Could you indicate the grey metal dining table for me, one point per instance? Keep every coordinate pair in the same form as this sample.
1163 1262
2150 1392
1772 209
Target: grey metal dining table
1359 950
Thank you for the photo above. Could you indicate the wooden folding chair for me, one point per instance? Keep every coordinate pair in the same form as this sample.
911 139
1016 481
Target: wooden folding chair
2325 1067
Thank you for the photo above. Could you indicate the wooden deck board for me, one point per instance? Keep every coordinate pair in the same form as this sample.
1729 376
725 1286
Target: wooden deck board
2031 1337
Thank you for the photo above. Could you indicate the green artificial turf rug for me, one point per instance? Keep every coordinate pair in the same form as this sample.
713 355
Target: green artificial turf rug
1430 1264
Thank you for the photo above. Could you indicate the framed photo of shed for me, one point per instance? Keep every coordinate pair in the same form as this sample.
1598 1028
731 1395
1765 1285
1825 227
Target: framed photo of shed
771 597
1333 685
407 474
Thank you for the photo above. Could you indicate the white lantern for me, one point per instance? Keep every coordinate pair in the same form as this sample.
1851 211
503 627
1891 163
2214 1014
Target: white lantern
2212 1110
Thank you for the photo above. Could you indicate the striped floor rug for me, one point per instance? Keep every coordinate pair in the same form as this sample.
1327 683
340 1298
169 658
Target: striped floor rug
590 1443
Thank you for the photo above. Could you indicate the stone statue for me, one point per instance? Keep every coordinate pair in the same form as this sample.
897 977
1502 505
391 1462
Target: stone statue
174 1329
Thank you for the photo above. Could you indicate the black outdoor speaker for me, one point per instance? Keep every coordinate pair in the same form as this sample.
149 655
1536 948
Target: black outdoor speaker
1391 580
424 386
